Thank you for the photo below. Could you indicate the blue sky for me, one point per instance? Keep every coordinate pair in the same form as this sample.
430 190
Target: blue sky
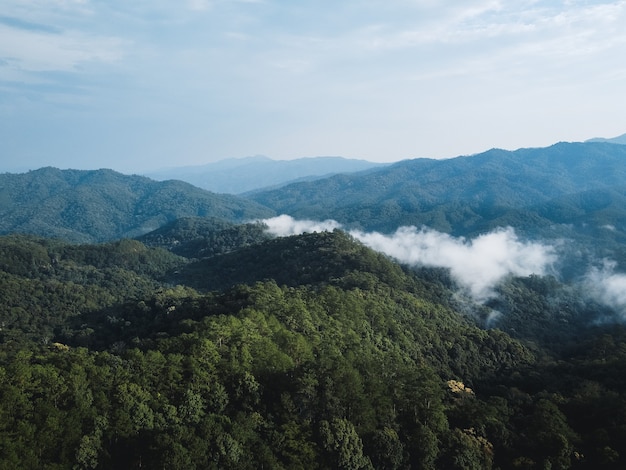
141 85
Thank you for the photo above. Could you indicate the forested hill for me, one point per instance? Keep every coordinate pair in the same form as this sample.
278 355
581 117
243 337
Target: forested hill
526 188
204 237
353 363
99 205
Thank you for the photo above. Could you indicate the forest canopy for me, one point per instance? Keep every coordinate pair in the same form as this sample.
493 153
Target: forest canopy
314 352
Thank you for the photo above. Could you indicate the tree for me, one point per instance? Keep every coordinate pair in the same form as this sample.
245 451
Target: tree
343 446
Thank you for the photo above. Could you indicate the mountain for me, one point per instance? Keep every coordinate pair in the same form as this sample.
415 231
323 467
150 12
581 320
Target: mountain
203 237
291 261
565 191
355 362
467 195
241 175
206 343
615 140
99 205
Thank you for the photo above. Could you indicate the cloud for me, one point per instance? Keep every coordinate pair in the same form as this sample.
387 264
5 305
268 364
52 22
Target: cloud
284 225
36 51
524 30
27 25
200 5
607 287
478 265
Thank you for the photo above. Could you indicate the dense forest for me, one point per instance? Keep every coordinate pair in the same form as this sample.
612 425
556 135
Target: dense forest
210 345
89 206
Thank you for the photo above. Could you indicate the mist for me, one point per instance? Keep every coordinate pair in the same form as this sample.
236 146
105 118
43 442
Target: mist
607 287
285 225
478 265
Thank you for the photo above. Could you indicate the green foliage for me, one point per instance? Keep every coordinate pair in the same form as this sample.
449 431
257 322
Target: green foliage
102 205
351 362
304 259
343 445
204 237
44 284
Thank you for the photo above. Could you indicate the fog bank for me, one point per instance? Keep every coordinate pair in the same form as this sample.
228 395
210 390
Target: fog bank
606 286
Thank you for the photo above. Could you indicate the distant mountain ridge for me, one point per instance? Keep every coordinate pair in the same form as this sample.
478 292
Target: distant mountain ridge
615 140
242 175
462 195
565 190
101 205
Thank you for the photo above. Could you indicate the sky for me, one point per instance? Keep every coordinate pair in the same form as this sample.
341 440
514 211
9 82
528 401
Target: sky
142 85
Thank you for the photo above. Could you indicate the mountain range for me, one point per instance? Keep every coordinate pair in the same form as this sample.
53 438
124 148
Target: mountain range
148 324
242 175
568 190
465 195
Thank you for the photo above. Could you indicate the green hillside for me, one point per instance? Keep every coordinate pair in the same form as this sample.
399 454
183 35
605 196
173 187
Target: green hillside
322 354
202 237
101 205
567 191
464 195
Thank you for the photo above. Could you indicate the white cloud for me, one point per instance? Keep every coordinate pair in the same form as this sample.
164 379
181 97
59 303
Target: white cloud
607 287
284 225
535 27
200 5
478 265
36 51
